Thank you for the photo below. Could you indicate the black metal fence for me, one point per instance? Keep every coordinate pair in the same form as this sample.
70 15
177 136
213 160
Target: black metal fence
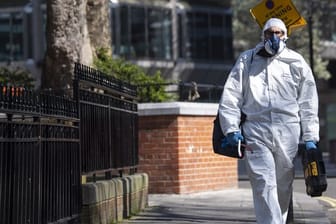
39 151
47 142
109 122
207 93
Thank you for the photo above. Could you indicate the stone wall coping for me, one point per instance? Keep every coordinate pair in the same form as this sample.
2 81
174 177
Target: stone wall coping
96 192
177 108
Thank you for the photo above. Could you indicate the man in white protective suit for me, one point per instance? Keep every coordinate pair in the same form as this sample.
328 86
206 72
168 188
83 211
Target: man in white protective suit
275 88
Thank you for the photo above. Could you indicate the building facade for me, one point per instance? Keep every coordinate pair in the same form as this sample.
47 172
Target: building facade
186 40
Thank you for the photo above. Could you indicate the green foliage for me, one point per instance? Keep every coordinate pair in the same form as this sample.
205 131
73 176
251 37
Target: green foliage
151 88
299 40
16 77
246 31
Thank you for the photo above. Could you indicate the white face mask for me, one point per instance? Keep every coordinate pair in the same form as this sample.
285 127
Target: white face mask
274 45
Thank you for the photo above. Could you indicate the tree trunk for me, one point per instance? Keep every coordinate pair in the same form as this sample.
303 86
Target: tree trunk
98 19
67 42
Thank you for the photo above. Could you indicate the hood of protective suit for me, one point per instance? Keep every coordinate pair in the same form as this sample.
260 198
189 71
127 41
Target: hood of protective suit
277 23
275 44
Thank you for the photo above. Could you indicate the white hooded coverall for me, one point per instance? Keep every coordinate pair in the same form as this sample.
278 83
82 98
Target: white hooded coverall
279 98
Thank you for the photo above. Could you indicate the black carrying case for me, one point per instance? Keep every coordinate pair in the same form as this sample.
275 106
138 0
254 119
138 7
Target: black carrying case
314 171
217 137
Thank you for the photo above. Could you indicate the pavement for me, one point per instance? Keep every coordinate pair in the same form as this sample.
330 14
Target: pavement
228 206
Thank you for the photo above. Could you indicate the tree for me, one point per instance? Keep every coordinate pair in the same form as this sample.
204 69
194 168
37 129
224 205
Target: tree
75 28
99 27
300 40
67 42
246 32
78 31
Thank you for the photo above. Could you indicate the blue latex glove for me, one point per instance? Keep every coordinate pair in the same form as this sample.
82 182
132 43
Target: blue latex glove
234 137
310 145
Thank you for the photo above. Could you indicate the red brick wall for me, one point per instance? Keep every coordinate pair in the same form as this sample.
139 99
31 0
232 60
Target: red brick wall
176 153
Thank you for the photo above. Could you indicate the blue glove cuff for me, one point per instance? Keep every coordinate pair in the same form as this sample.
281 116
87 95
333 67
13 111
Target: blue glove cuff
310 145
234 137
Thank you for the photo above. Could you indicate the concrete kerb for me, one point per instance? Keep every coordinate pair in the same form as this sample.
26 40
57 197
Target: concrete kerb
112 200
117 187
100 191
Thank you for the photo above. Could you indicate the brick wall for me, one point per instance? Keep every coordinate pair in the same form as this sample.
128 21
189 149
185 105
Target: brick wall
175 149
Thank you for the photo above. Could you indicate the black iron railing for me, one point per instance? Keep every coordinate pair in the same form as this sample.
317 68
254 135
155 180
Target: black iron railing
208 93
108 114
189 91
39 151
47 142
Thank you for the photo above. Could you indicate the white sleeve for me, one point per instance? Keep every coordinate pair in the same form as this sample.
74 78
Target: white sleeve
308 105
232 97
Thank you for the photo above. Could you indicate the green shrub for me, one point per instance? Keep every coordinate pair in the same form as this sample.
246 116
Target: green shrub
151 88
16 77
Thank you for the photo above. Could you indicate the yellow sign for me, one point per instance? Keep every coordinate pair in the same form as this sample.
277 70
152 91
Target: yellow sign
282 9
300 23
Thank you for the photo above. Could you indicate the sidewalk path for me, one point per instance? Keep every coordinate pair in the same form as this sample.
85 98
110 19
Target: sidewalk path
226 207
231 206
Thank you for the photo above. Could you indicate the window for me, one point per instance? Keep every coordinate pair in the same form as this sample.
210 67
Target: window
205 35
333 26
144 32
216 36
138 31
126 48
199 37
159 33
11 37
17 34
